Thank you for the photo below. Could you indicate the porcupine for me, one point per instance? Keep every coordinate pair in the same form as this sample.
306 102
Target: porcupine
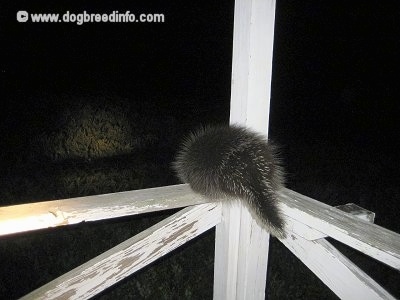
233 162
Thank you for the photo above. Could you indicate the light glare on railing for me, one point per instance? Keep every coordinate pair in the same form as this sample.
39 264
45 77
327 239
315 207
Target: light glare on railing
19 224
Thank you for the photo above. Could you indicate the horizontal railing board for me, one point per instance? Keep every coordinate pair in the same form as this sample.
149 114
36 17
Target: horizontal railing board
131 255
39 215
373 240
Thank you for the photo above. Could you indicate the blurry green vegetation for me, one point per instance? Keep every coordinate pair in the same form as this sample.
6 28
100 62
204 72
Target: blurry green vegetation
99 128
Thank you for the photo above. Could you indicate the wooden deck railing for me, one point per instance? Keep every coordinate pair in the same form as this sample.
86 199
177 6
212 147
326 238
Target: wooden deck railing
309 222
241 246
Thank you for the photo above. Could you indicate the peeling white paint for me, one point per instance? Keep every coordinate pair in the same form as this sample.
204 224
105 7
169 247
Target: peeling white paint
308 222
130 256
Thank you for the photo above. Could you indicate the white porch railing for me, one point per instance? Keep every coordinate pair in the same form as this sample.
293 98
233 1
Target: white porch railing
241 254
309 222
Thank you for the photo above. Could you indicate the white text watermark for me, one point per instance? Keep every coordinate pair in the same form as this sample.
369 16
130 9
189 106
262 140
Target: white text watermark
85 17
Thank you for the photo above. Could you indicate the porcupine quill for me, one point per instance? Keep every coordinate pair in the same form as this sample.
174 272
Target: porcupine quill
232 162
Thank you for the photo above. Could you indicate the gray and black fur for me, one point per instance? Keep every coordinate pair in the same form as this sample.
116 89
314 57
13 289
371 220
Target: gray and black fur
233 162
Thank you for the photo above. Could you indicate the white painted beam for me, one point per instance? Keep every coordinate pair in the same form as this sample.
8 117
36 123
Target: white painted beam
241 253
305 216
373 240
130 256
25 217
253 39
343 277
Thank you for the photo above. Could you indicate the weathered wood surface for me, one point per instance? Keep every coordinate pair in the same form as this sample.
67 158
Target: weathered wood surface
253 39
373 240
306 217
343 277
25 217
135 253
241 253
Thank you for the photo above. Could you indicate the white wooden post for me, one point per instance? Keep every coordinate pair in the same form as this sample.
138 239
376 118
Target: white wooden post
241 246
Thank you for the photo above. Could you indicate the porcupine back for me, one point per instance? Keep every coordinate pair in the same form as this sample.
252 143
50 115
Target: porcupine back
232 162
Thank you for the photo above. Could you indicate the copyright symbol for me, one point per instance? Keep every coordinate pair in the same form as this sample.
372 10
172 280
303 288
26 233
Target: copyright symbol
22 16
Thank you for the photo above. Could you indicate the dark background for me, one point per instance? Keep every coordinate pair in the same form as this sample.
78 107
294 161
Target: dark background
101 108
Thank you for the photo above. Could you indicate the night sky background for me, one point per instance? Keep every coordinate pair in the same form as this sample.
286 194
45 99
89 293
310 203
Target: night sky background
101 107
